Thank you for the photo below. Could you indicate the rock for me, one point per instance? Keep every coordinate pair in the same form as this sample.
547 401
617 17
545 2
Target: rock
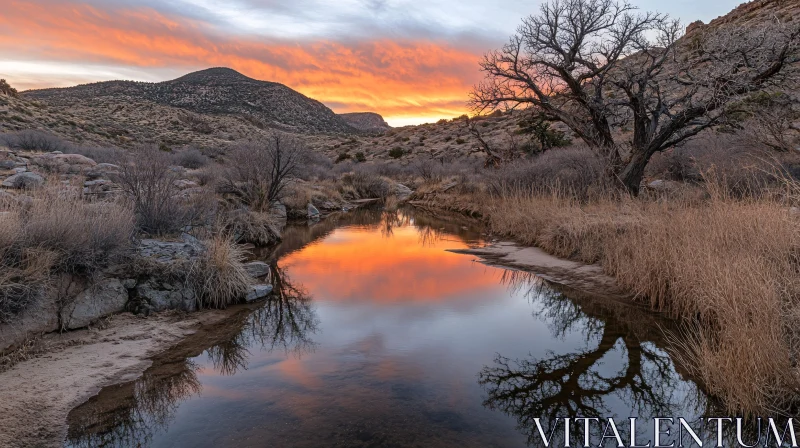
159 299
662 185
7 164
39 317
794 212
258 292
402 192
313 213
102 170
102 299
24 180
129 283
257 269
278 211
74 159
168 251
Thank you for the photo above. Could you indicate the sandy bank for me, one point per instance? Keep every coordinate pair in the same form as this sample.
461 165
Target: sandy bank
36 395
588 278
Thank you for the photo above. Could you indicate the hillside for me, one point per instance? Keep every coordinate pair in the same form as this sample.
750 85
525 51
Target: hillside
203 108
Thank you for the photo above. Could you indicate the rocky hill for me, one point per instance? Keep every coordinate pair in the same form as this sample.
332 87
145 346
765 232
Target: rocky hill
366 121
203 108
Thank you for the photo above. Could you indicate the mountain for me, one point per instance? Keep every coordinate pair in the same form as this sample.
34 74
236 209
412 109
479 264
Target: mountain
202 108
366 121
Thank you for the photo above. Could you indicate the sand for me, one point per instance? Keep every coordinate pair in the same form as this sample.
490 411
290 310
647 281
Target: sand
37 395
588 278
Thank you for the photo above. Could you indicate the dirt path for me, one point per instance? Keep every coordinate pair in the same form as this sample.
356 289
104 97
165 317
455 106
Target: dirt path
36 395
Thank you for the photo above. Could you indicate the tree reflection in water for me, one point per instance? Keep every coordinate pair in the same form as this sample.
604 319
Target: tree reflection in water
128 415
585 383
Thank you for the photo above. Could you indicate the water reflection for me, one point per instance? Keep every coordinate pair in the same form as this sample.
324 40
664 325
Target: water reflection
621 363
130 414
387 352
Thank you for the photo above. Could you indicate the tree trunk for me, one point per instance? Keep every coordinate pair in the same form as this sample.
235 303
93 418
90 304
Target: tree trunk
632 173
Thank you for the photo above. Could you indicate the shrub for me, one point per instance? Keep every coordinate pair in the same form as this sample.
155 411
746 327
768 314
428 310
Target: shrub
6 88
219 276
247 226
258 173
190 158
460 141
84 236
150 184
366 185
360 157
56 232
572 171
342 157
32 140
100 154
396 152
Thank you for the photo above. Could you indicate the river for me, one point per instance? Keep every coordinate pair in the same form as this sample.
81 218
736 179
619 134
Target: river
380 337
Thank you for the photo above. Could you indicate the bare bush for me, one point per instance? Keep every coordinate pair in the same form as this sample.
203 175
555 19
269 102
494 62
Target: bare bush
258 172
578 172
100 154
32 140
150 184
56 232
84 236
190 158
364 185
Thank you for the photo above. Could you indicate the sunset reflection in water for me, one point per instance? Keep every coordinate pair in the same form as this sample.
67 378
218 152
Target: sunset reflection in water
378 336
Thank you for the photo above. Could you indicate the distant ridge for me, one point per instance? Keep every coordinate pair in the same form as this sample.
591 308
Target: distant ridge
366 121
215 91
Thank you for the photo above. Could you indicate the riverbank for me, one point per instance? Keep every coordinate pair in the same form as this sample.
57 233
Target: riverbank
726 267
68 368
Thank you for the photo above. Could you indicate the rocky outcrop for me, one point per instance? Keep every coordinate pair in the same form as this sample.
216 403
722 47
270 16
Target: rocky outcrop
366 121
24 180
102 299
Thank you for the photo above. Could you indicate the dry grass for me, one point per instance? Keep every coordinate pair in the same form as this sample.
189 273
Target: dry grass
56 232
727 267
247 226
219 276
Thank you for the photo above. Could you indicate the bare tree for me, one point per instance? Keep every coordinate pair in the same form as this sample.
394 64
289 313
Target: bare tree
259 172
591 65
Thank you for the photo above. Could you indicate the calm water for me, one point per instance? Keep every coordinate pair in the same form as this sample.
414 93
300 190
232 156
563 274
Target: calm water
382 338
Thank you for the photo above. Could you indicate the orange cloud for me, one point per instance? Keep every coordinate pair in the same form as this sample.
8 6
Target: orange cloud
398 79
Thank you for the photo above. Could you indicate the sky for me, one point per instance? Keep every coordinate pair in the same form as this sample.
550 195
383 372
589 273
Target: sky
410 61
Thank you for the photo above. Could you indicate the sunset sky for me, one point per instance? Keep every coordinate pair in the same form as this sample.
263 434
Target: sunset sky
411 61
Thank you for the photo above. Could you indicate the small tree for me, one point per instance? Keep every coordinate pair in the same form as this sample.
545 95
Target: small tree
591 65
6 88
259 172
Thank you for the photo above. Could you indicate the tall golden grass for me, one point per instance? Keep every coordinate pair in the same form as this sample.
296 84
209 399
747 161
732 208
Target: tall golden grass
729 268
219 276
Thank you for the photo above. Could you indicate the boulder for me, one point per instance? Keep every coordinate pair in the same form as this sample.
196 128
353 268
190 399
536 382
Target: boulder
38 318
101 299
662 185
402 192
161 297
313 213
257 269
278 212
258 292
168 251
24 180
